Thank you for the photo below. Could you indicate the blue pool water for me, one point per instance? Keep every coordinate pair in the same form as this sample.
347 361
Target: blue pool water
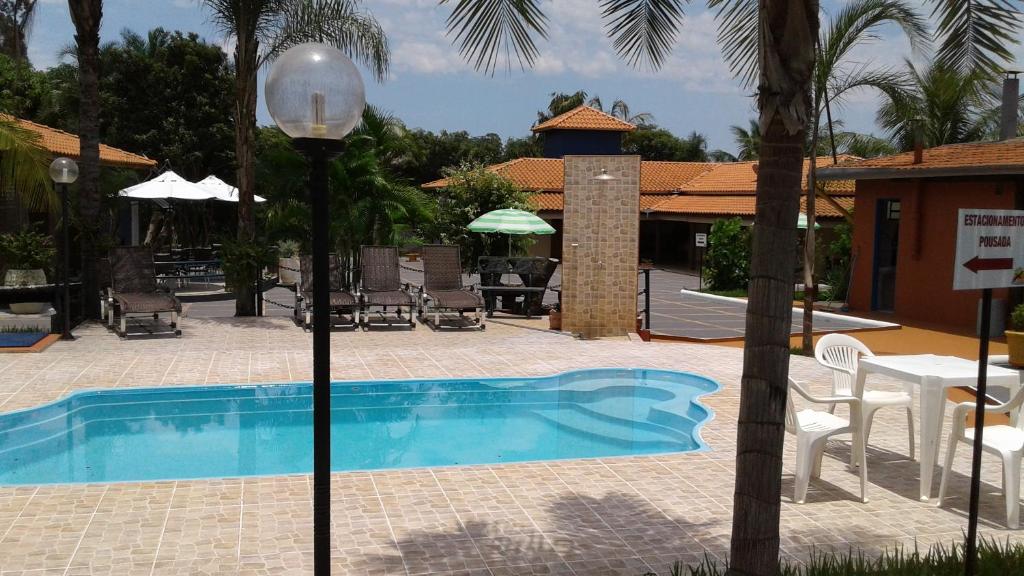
222 431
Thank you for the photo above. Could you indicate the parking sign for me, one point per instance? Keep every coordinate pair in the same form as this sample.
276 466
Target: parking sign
989 249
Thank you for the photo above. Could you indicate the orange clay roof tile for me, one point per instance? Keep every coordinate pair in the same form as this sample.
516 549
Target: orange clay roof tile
743 206
546 174
738 178
969 158
719 205
585 118
60 143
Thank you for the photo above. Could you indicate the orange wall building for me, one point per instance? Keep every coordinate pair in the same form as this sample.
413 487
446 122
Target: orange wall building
905 222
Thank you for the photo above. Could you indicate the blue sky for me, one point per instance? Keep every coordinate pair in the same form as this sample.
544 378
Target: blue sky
430 87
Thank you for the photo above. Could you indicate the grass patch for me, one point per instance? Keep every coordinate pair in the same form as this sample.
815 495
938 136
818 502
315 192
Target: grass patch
994 559
737 293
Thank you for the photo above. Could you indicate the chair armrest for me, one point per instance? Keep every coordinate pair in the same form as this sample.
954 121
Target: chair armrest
851 400
962 409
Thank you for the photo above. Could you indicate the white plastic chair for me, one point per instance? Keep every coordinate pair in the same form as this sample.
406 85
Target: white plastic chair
1007 442
812 429
841 353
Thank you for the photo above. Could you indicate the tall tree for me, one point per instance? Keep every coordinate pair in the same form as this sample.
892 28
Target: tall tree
748 140
856 24
87 16
945 104
621 110
262 29
643 32
15 20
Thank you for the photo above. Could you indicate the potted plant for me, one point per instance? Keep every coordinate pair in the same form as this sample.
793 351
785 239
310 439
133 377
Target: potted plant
288 262
555 317
26 254
1015 337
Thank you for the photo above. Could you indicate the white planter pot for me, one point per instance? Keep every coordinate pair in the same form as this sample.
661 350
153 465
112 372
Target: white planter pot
16 277
288 271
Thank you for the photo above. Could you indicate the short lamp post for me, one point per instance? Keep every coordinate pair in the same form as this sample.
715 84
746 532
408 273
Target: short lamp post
315 95
64 171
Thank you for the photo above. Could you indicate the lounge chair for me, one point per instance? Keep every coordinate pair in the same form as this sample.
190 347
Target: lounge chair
134 290
380 285
340 299
443 290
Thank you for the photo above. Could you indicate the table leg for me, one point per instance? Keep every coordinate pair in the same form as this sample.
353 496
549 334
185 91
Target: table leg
933 407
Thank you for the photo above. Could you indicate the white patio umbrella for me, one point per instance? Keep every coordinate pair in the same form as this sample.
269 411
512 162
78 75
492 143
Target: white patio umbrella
167 186
222 190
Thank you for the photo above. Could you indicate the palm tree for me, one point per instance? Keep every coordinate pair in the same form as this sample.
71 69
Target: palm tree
748 140
946 105
262 29
87 16
621 111
561 103
854 25
23 166
643 33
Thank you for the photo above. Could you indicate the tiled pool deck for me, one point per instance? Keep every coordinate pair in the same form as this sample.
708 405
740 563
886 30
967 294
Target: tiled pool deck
606 516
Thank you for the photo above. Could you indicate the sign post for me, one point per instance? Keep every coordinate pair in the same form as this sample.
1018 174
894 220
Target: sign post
989 254
700 240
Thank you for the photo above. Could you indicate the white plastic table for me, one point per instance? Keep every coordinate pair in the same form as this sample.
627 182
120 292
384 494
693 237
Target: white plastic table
933 375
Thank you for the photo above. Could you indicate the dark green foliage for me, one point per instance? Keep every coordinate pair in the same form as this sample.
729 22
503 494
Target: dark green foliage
837 261
243 261
473 191
1017 317
23 91
660 144
432 152
727 261
27 250
369 204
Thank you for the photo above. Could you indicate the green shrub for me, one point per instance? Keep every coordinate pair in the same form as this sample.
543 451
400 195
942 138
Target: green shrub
1017 317
27 250
727 262
243 261
994 559
837 262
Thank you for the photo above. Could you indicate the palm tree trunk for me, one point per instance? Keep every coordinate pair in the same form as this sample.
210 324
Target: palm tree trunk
810 286
787 30
86 15
246 66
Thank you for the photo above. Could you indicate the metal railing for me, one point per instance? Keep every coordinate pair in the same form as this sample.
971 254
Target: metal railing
645 271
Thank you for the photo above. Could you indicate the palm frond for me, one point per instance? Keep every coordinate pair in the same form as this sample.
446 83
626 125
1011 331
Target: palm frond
643 31
858 23
885 80
23 166
737 36
491 31
342 24
976 34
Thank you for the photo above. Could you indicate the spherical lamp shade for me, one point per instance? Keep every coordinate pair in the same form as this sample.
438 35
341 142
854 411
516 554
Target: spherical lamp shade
64 171
315 91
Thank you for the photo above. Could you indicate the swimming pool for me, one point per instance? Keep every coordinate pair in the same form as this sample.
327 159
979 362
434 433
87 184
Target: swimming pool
225 431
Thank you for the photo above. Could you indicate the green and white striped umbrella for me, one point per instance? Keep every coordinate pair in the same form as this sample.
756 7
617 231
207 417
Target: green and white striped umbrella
510 221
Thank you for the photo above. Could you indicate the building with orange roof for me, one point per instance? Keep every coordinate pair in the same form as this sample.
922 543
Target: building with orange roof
677 199
60 143
905 221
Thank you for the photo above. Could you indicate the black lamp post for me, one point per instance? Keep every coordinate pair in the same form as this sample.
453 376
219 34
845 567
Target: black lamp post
64 171
315 95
